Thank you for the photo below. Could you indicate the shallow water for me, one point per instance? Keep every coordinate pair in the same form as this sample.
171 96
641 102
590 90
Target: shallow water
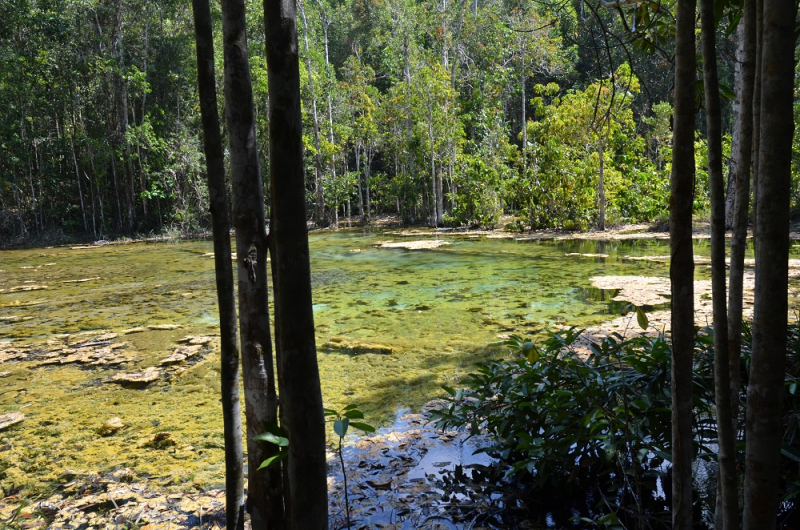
439 311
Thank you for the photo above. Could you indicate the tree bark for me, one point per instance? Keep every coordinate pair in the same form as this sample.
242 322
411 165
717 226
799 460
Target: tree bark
767 368
728 482
736 132
743 163
220 225
601 190
757 114
121 110
682 265
265 501
301 398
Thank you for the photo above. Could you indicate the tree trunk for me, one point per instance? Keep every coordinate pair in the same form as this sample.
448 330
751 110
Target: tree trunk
369 153
682 265
301 398
524 118
360 190
736 133
757 115
722 385
265 501
220 225
767 368
601 191
121 109
320 210
743 163
78 176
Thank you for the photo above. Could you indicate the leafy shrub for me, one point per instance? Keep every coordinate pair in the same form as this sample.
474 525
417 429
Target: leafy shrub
598 422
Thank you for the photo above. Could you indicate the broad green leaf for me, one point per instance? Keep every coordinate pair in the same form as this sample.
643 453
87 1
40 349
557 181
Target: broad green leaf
354 414
340 427
362 426
280 441
641 318
272 460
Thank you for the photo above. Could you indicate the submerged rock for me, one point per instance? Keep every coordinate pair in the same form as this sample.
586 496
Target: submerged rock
142 377
160 440
425 244
356 348
12 418
163 327
181 354
133 330
23 288
110 427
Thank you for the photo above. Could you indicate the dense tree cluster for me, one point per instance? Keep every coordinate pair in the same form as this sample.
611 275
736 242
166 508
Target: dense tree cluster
438 112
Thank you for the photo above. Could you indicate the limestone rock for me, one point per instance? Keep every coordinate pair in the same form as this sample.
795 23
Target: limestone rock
356 348
12 418
110 427
425 244
164 327
142 377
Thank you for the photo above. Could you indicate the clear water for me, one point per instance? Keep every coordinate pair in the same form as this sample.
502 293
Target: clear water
438 310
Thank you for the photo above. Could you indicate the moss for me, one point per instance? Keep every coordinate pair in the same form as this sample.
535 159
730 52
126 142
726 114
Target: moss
431 312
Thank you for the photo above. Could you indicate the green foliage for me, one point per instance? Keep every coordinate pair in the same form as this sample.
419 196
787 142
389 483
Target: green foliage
276 436
563 419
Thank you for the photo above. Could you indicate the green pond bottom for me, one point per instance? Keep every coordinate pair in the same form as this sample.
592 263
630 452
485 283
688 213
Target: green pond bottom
393 325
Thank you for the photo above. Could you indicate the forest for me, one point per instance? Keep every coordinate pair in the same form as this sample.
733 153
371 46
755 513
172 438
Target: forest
444 114
513 115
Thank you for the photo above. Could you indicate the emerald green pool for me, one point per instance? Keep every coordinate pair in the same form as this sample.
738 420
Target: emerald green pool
438 310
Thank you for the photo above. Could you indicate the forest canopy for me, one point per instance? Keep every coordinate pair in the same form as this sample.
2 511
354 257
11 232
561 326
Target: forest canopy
442 113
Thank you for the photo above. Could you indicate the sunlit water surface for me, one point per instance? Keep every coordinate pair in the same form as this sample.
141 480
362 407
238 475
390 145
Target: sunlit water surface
439 311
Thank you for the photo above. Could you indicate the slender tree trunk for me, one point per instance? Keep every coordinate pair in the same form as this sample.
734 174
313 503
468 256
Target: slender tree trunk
743 163
524 118
360 191
301 398
733 168
434 187
320 211
728 483
767 367
601 190
78 177
757 115
265 500
220 225
682 265
369 153
121 107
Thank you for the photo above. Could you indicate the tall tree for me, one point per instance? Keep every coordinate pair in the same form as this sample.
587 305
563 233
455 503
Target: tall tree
682 264
265 502
220 220
301 398
767 367
742 198
728 484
